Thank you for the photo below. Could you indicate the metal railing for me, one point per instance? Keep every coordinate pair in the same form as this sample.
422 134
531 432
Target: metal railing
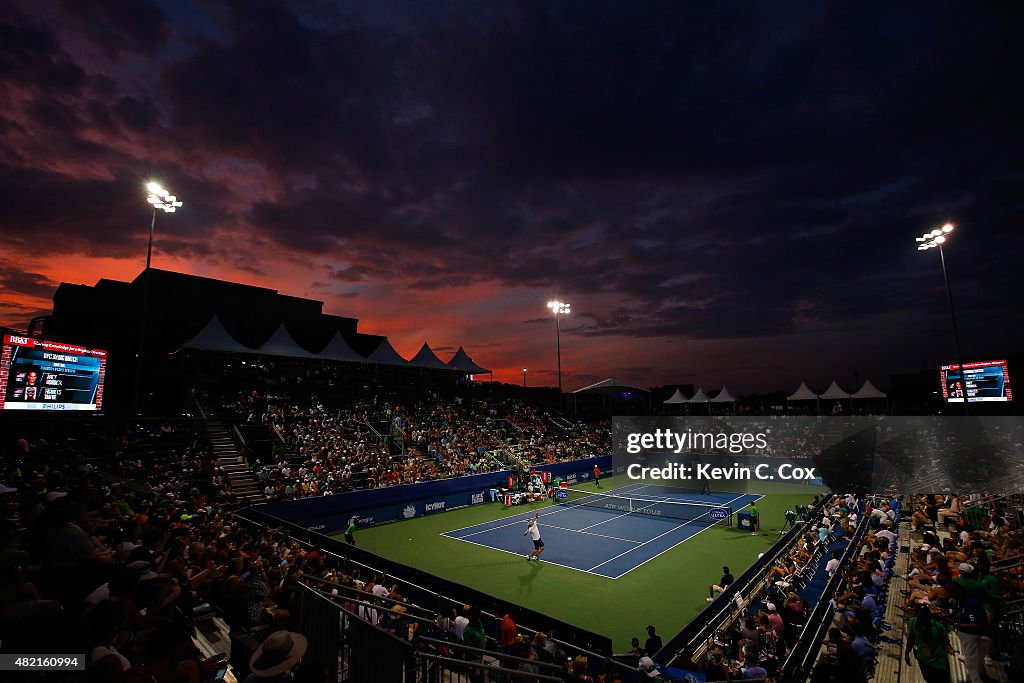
353 649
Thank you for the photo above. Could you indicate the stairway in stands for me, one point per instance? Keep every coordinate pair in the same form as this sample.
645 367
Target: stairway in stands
225 449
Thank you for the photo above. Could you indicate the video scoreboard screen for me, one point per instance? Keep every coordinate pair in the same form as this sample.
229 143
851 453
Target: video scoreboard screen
981 381
36 374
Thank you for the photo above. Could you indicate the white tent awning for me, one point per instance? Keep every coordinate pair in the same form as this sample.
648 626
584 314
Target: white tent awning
213 337
803 394
676 398
282 344
723 397
869 391
385 354
426 358
699 397
339 349
461 361
834 392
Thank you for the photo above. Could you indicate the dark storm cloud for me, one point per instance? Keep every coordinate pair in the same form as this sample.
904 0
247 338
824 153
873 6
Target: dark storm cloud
35 285
703 171
119 25
30 53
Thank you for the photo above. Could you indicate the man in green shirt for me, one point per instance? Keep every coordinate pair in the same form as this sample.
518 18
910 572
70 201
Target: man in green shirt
755 521
930 642
350 532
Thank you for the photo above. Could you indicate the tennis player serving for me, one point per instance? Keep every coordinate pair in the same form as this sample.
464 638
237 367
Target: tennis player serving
534 531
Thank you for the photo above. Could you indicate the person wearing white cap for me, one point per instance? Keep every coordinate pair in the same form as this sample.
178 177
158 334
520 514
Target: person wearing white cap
276 656
648 668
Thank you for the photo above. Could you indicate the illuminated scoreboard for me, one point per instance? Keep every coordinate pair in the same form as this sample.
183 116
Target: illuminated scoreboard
980 381
36 374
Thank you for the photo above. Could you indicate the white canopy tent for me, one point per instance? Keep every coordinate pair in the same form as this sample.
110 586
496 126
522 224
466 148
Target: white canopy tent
699 397
676 398
723 397
461 361
869 391
385 354
834 393
803 394
426 358
339 349
213 337
282 344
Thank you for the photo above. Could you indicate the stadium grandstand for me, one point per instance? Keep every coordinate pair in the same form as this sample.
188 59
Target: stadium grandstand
299 503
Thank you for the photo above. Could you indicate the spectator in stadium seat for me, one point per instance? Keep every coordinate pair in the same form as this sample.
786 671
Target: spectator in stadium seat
544 648
579 670
635 648
832 565
754 671
863 650
952 509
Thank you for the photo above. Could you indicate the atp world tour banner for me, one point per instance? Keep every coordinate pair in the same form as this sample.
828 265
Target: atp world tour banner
330 514
859 454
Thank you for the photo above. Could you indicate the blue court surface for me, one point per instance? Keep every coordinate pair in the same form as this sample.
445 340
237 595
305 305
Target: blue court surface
606 542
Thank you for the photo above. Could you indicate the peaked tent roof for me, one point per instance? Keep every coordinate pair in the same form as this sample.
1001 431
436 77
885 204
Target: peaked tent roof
385 354
213 337
834 392
282 344
462 361
426 358
339 349
869 391
803 394
676 397
723 397
610 383
699 397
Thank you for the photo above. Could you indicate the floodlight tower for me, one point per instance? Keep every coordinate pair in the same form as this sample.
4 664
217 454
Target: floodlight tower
161 200
559 308
935 239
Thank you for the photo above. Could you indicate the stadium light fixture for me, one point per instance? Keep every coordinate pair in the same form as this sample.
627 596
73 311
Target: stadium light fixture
161 200
559 308
930 240
524 378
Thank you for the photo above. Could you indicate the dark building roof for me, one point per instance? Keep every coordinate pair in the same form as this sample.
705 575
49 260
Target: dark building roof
180 305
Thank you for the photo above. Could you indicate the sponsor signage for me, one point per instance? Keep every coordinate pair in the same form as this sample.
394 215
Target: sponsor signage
718 513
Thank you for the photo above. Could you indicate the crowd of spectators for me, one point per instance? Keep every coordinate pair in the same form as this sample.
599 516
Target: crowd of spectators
122 570
332 450
117 572
968 565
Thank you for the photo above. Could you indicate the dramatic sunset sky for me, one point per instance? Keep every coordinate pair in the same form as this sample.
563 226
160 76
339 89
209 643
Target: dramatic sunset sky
726 192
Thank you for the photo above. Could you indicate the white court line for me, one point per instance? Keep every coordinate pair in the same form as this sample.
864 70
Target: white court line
623 514
675 528
522 555
528 517
589 533
676 544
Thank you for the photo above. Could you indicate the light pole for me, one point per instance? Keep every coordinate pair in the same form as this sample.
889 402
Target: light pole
559 308
160 199
931 240
524 378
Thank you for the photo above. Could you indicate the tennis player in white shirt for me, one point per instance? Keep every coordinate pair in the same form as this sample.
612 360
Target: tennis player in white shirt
534 531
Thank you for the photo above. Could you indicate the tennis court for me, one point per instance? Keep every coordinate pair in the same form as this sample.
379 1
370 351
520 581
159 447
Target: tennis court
609 535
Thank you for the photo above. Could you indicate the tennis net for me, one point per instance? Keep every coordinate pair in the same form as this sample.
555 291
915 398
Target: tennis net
711 514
